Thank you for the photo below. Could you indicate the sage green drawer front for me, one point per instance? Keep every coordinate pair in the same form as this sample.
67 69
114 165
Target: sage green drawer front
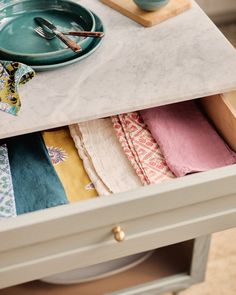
59 239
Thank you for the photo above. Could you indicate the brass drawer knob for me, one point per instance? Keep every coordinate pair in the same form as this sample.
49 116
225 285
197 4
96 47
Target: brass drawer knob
119 234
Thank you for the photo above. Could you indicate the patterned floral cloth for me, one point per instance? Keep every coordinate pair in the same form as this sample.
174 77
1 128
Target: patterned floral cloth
141 148
7 200
12 74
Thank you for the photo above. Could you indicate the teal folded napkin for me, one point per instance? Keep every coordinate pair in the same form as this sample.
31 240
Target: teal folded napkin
35 181
7 199
12 74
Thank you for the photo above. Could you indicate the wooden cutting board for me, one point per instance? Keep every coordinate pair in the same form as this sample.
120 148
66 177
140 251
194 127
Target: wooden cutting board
148 19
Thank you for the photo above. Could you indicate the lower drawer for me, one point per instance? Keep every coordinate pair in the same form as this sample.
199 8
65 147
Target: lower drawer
59 239
166 265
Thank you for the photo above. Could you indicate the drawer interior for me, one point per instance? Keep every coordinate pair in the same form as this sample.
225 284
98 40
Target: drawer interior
221 109
163 263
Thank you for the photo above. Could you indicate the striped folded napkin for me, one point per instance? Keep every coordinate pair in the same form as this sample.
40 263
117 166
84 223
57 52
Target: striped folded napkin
141 148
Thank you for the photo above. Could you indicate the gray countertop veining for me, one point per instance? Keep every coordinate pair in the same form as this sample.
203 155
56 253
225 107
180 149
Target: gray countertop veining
182 58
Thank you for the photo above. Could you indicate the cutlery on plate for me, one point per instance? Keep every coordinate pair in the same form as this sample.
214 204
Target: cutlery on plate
85 34
49 35
70 43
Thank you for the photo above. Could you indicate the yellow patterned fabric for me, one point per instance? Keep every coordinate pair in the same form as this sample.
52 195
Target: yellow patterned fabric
12 74
68 165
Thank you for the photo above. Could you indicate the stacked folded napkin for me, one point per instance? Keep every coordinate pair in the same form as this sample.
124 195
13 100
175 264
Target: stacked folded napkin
103 157
141 149
36 184
7 199
68 165
186 138
101 188
12 74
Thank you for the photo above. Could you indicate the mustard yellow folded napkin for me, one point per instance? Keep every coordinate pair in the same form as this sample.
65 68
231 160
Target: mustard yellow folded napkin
68 165
12 74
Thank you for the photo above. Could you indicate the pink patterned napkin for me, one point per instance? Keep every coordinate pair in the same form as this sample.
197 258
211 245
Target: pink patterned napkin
186 138
140 148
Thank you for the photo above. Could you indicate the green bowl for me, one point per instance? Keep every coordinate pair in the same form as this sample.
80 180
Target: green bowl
20 42
151 5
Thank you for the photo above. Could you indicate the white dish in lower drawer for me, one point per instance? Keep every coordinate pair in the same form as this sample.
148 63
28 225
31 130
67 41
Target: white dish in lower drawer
169 267
98 271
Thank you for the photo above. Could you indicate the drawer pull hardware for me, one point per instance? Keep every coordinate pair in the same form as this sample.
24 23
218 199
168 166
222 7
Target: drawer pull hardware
119 234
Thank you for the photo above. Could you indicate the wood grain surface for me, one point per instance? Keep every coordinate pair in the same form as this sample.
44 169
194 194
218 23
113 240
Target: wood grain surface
221 109
148 19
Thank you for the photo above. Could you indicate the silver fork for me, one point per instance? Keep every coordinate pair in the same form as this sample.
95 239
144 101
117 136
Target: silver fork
44 34
49 35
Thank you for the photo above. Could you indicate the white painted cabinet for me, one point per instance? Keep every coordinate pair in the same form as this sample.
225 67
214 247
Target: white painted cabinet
183 58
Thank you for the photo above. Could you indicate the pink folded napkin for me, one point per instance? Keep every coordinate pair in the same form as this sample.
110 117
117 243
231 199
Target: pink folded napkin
140 148
186 138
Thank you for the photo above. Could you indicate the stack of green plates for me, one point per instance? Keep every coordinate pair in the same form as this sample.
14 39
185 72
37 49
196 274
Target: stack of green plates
19 41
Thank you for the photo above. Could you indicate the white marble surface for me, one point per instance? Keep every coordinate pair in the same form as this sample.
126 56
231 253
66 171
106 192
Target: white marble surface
183 58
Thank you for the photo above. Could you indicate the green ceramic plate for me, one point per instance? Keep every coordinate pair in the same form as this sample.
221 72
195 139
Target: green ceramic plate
19 40
93 46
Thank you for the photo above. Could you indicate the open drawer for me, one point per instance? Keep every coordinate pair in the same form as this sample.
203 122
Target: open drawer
58 239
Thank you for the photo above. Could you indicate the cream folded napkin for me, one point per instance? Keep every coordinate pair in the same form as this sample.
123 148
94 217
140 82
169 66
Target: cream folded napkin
111 170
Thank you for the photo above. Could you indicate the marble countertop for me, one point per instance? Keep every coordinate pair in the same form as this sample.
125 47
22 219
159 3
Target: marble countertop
182 58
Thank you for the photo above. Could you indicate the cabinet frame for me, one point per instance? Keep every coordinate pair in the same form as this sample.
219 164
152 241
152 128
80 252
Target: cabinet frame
178 282
59 239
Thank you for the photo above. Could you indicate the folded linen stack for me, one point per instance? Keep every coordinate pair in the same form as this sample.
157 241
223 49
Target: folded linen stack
160 144
106 156
41 176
